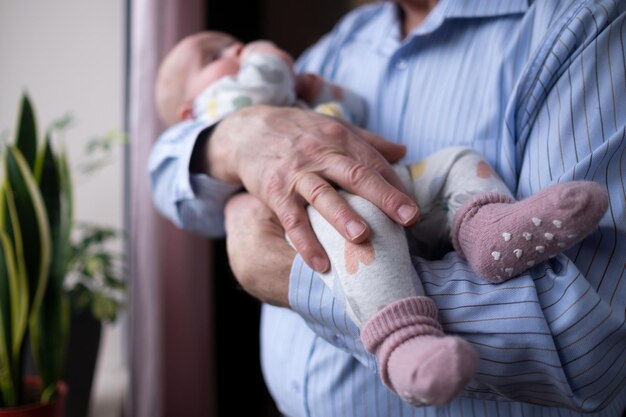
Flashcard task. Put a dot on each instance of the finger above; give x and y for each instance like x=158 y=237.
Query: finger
x=371 y=157
x=327 y=201
x=293 y=217
x=368 y=151
x=362 y=180
x=392 y=152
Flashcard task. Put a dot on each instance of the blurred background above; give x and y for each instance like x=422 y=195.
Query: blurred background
x=164 y=355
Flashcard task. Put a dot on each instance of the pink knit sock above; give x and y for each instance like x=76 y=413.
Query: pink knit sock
x=415 y=358
x=501 y=238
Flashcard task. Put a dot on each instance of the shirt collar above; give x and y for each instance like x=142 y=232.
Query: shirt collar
x=468 y=9
x=483 y=8
x=386 y=23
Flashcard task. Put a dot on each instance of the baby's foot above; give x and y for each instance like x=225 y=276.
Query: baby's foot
x=431 y=369
x=416 y=359
x=501 y=237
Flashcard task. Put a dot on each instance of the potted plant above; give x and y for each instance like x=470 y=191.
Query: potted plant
x=35 y=227
x=75 y=265
x=96 y=290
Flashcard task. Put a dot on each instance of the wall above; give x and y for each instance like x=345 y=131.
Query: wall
x=68 y=54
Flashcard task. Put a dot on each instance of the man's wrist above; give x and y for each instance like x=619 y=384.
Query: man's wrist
x=198 y=164
x=210 y=158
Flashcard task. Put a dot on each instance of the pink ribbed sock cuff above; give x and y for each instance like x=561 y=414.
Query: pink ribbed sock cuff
x=469 y=209
x=396 y=316
x=397 y=323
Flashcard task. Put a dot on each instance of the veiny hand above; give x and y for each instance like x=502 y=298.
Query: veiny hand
x=289 y=158
x=258 y=252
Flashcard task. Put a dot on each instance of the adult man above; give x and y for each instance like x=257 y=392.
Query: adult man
x=539 y=89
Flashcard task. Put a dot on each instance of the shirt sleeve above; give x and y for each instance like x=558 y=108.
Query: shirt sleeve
x=191 y=201
x=555 y=336
x=272 y=75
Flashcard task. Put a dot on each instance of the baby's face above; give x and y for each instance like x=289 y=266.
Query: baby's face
x=220 y=58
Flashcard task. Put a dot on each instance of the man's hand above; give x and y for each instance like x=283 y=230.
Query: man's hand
x=258 y=252
x=289 y=158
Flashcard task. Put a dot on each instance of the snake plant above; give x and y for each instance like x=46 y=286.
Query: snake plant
x=35 y=224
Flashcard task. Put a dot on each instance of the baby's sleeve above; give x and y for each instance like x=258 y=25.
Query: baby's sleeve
x=337 y=101
x=269 y=79
x=262 y=79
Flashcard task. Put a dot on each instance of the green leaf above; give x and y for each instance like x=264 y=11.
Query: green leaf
x=61 y=124
x=53 y=186
x=31 y=239
x=7 y=279
x=49 y=337
x=19 y=284
x=35 y=245
x=26 y=139
x=50 y=328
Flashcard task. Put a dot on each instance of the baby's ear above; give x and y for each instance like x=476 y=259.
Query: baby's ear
x=185 y=112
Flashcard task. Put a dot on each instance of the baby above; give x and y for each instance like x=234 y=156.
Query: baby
x=462 y=200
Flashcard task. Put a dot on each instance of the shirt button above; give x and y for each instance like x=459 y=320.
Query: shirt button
x=295 y=386
x=402 y=65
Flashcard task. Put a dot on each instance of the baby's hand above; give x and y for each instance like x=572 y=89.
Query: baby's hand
x=266 y=47
x=309 y=86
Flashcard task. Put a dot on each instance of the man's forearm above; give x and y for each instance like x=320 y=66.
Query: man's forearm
x=259 y=254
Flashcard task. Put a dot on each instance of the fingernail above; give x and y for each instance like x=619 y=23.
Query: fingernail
x=406 y=213
x=355 y=229
x=319 y=264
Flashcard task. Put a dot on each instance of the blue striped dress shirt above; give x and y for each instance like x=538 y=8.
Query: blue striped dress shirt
x=539 y=88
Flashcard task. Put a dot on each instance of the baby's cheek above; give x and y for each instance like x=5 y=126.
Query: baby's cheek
x=211 y=73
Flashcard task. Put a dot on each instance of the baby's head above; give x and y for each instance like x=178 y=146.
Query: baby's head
x=196 y=62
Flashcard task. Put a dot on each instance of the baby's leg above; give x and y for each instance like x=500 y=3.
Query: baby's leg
x=499 y=236
x=398 y=323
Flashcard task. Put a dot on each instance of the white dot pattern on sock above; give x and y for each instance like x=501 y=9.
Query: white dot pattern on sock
x=518 y=252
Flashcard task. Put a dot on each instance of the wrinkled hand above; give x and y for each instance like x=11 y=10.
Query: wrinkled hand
x=289 y=158
x=258 y=252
